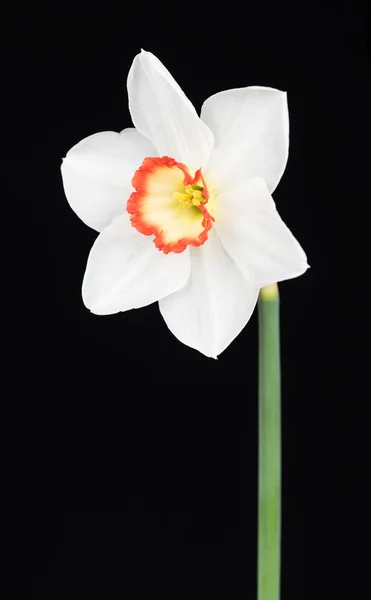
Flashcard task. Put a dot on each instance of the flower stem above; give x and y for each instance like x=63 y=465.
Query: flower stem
x=269 y=504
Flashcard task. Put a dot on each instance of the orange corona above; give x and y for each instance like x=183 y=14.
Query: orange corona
x=170 y=204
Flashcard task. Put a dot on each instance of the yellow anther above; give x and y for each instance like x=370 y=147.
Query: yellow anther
x=180 y=196
x=191 y=196
x=197 y=198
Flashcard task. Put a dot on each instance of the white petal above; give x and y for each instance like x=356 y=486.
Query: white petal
x=251 y=132
x=255 y=236
x=97 y=174
x=161 y=111
x=125 y=270
x=215 y=305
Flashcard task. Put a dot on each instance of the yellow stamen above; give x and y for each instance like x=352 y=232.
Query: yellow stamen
x=191 y=197
x=180 y=196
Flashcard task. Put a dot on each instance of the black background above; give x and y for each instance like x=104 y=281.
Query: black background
x=143 y=452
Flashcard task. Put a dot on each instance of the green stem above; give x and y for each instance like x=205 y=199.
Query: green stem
x=269 y=505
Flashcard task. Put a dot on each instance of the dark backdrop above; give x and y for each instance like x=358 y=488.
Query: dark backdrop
x=143 y=452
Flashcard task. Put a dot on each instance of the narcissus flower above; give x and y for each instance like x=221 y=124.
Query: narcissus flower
x=183 y=206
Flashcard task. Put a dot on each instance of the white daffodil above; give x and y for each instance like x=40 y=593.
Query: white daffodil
x=183 y=206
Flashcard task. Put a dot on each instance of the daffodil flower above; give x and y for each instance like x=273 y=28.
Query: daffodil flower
x=184 y=208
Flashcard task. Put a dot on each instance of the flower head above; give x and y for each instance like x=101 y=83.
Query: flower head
x=183 y=206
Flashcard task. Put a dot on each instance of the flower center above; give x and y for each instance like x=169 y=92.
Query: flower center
x=192 y=196
x=171 y=204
